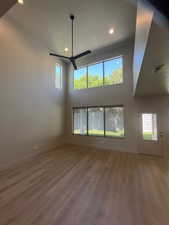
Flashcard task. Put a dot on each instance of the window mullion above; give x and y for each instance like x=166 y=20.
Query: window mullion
x=61 y=77
x=73 y=79
x=73 y=121
x=104 y=121
x=87 y=122
x=103 y=75
x=87 y=77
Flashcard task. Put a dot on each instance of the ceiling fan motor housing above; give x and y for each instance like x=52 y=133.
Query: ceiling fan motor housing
x=72 y=17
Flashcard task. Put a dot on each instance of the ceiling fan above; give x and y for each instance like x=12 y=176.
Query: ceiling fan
x=73 y=58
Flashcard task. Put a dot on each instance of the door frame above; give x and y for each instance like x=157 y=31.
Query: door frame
x=159 y=140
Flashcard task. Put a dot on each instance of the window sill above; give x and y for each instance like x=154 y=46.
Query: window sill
x=110 y=137
x=103 y=86
x=150 y=140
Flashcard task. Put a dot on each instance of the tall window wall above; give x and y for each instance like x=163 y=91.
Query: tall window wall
x=106 y=121
x=105 y=73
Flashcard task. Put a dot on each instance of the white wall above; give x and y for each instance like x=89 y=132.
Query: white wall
x=31 y=109
x=115 y=95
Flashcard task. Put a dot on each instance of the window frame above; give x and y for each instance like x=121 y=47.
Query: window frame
x=99 y=62
x=104 y=121
x=61 y=74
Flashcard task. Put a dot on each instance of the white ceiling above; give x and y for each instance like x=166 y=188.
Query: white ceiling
x=48 y=21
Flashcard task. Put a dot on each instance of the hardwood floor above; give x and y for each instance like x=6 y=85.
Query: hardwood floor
x=75 y=186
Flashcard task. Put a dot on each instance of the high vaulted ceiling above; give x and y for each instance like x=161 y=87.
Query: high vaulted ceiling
x=48 y=21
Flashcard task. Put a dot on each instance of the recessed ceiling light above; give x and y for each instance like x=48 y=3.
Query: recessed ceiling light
x=66 y=49
x=111 y=31
x=21 y=2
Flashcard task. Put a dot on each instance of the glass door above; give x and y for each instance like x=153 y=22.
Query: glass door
x=151 y=143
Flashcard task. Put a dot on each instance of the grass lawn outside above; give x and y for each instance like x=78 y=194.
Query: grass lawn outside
x=148 y=136
x=96 y=132
x=101 y=133
x=77 y=131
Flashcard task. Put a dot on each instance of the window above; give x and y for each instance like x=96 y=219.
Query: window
x=105 y=121
x=108 y=72
x=95 y=75
x=58 y=76
x=80 y=78
x=149 y=126
x=113 y=71
x=114 y=122
x=96 y=121
x=80 y=121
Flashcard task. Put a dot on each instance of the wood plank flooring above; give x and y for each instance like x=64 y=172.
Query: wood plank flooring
x=80 y=186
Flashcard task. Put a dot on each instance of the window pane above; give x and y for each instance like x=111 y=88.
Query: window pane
x=80 y=78
x=114 y=122
x=95 y=75
x=80 y=121
x=149 y=126
x=96 y=121
x=58 y=76
x=113 y=71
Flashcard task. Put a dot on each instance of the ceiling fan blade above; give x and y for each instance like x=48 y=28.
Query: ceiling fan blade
x=74 y=63
x=82 y=54
x=61 y=56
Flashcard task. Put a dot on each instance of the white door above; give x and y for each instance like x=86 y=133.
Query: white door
x=151 y=137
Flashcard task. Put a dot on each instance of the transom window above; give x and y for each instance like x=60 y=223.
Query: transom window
x=58 y=76
x=105 y=73
x=104 y=121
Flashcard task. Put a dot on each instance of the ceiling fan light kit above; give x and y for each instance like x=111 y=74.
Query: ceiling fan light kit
x=73 y=58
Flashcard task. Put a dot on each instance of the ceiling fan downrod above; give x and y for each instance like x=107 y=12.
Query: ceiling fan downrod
x=73 y=58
